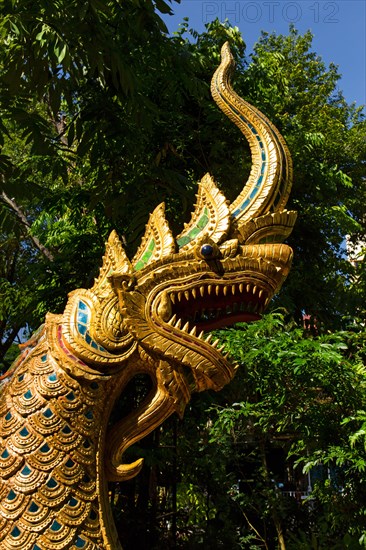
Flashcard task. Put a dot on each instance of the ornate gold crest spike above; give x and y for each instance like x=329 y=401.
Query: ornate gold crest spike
x=114 y=259
x=157 y=241
x=270 y=179
x=211 y=216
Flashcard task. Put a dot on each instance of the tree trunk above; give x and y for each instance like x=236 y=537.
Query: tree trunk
x=272 y=502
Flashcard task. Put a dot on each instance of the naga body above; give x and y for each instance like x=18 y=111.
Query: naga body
x=147 y=315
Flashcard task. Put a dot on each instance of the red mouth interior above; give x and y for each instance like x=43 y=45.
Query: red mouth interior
x=214 y=307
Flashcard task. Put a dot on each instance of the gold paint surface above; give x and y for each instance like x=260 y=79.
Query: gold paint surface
x=148 y=316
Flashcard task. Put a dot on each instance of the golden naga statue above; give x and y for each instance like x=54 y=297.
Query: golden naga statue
x=57 y=450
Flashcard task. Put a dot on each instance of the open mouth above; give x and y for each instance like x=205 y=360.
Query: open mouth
x=212 y=305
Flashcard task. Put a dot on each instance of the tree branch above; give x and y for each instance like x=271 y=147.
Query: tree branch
x=23 y=220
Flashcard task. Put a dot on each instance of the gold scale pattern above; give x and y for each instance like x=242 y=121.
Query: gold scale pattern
x=48 y=486
x=57 y=451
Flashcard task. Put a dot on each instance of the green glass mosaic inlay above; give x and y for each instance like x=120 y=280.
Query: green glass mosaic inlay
x=146 y=255
x=196 y=230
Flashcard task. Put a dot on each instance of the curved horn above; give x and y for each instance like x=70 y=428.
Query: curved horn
x=270 y=179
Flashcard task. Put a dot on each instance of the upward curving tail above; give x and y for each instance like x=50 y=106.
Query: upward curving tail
x=270 y=180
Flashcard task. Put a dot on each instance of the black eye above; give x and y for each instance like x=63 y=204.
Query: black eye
x=207 y=250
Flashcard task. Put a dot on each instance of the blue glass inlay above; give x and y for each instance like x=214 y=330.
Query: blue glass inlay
x=94 y=385
x=70 y=396
x=45 y=448
x=66 y=430
x=87 y=444
x=11 y=495
x=82 y=317
x=20 y=377
x=82 y=324
x=52 y=377
x=73 y=502
x=15 y=532
x=44 y=358
x=5 y=453
x=36 y=547
x=52 y=483
x=89 y=415
x=33 y=507
x=86 y=478
x=8 y=416
x=70 y=463
x=28 y=394
x=47 y=413
x=93 y=515
x=82 y=329
x=56 y=526
x=24 y=432
x=80 y=543
x=263 y=155
x=26 y=471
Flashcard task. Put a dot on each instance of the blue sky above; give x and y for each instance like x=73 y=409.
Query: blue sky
x=339 y=29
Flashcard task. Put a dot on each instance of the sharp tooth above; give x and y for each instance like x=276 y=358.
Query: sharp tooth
x=221 y=348
x=225 y=290
x=179 y=296
x=178 y=324
x=172 y=297
x=186 y=294
x=255 y=288
x=209 y=338
x=193 y=331
x=217 y=290
x=172 y=320
x=233 y=289
x=186 y=327
x=202 y=291
x=194 y=293
x=209 y=288
x=249 y=307
x=242 y=306
x=241 y=287
x=248 y=288
x=266 y=302
x=200 y=336
x=214 y=345
x=261 y=293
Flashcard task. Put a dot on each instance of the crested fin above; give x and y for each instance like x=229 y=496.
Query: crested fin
x=270 y=179
x=114 y=260
x=211 y=216
x=157 y=242
x=272 y=227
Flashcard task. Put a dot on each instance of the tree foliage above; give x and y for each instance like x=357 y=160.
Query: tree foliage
x=294 y=415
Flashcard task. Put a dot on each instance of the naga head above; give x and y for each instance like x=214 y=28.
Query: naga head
x=224 y=267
